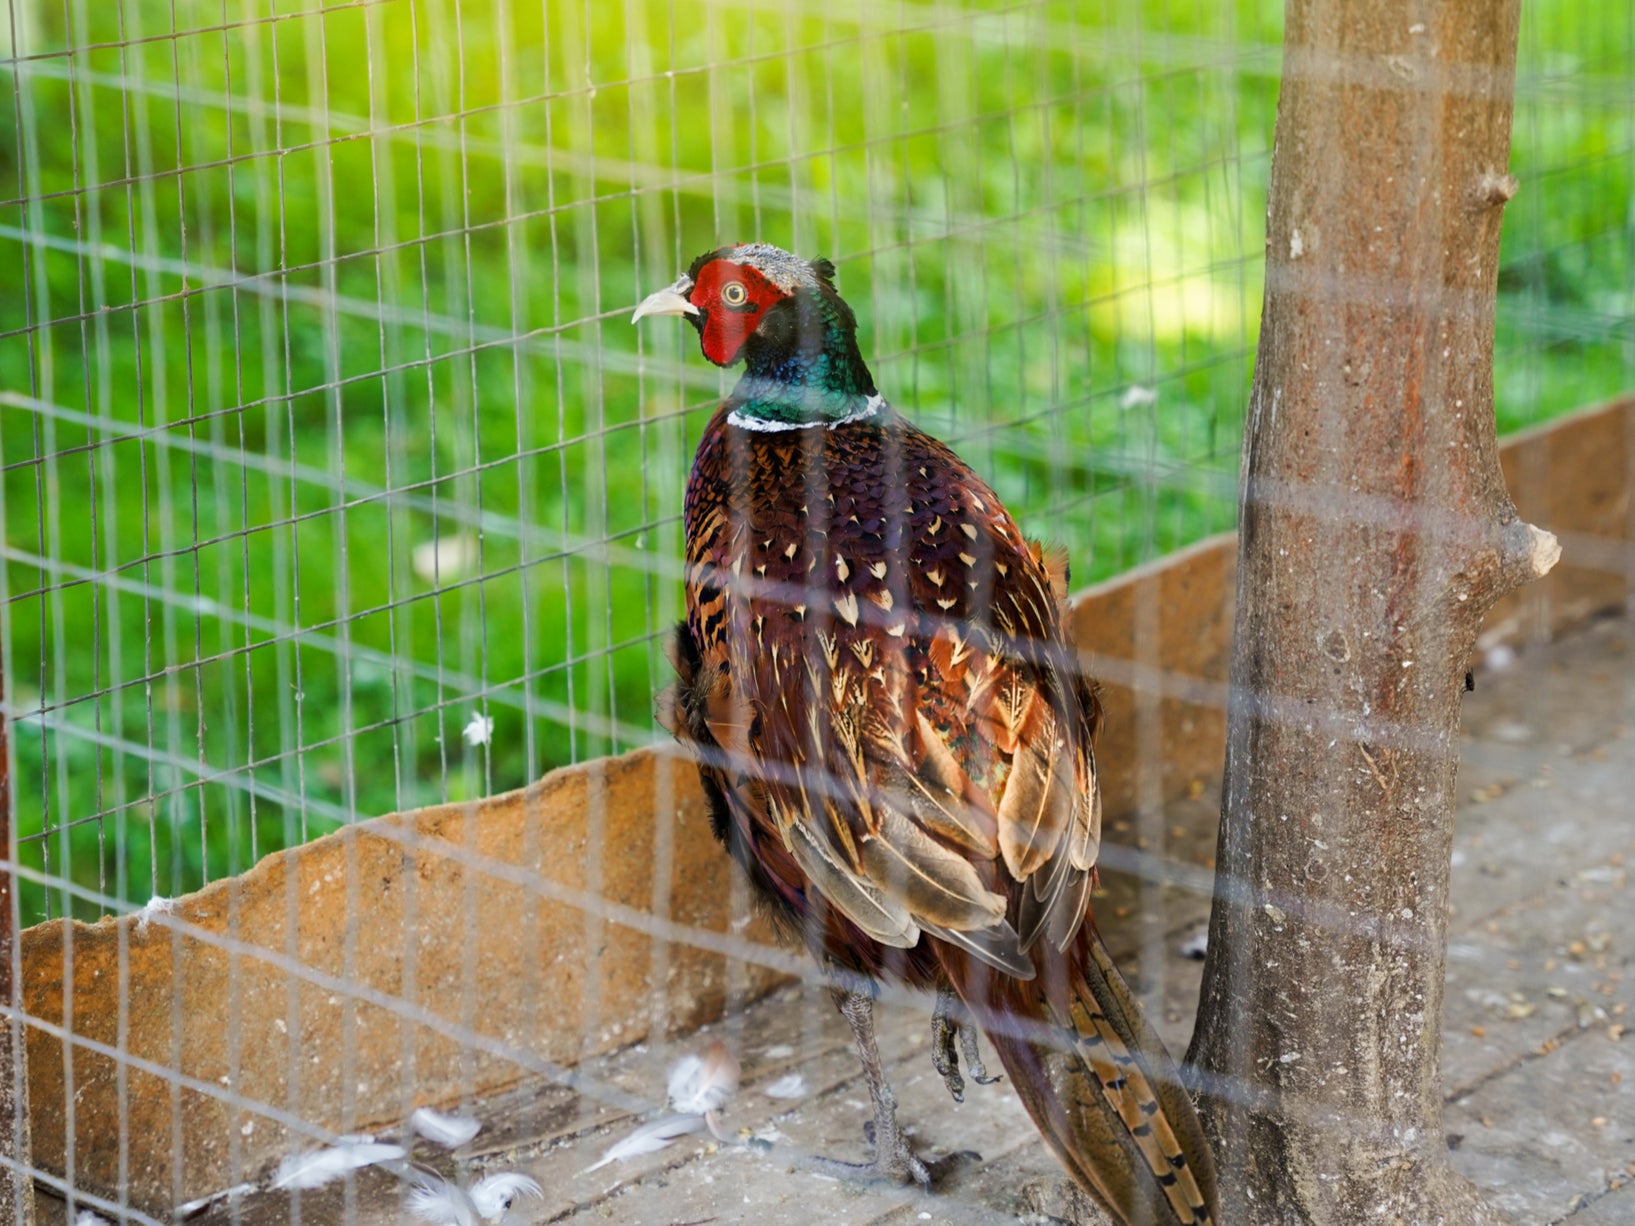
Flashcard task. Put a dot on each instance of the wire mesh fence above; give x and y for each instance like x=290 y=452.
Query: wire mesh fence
x=335 y=482
x=327 y=441
x=327 y=430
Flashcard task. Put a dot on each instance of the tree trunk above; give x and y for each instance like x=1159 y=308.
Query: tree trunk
x=1375 y=533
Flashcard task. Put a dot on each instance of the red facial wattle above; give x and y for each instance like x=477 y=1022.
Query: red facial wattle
x=733 y=298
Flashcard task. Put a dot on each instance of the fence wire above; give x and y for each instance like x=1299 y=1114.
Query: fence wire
x=335 y=482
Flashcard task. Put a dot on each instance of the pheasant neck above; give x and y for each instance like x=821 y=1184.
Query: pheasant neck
x=755 y=405
x=816 y=377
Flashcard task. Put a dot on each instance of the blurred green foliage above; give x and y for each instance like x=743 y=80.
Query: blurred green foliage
x=324 y=431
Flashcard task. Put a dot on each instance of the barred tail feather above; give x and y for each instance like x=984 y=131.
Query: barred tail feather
x=1097 y=1081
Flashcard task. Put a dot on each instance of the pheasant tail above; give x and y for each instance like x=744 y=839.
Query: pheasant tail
x=1097 y=1080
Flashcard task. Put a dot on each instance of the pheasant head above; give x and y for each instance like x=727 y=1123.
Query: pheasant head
x=782 y=317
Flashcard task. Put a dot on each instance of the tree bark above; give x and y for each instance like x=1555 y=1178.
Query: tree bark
x=1375 y=533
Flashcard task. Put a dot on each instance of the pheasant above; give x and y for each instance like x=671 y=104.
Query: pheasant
x=875 y=681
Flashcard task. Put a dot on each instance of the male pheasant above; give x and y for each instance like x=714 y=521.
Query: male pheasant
x=878 y=689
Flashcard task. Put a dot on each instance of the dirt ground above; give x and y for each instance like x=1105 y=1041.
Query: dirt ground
x=1538 y=1067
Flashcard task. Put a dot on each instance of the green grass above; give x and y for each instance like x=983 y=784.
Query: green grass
x=255 y=357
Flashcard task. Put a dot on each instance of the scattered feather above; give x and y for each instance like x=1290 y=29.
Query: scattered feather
x=780 y=1051
x=156 y=907
x=699 y=1087
x=449 y=1131
x=493 y=1194
x=204 y=1202
x=434 y=1199
x=651 y=1137
x=479 y=730
x=712 y=1121
x=317 y=1167
x=791 y=1086
x=701 y=1084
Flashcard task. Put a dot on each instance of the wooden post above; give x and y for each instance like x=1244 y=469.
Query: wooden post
x=1375 y=533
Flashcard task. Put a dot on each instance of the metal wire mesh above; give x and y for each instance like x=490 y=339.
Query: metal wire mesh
x=335 y=482
x=325 y=428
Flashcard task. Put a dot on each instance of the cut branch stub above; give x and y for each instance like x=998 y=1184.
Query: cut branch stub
x=1375 y=533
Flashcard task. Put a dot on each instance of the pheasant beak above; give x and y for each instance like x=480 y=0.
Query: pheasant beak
x=671 y=300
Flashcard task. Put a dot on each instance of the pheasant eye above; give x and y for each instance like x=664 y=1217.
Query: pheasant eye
x=734 y=294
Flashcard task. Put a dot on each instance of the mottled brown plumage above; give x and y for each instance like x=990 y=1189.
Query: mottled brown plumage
x=875 y=679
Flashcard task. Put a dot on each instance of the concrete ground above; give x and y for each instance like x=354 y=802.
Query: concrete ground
x=1538 y=1068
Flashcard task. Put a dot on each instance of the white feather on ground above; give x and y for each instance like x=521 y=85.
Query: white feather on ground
x=433 y=1199
x=441 y=1202
x=793 y=1085
x=493 y=1194
x=650 y=1137
x=204 y=1202
x=449 y=1131
x=315 y=1168
x=701 y=1084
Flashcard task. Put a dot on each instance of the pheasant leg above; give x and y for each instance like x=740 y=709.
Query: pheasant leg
x=944 y=1031
x=950 y=1022
x=893 y=1159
